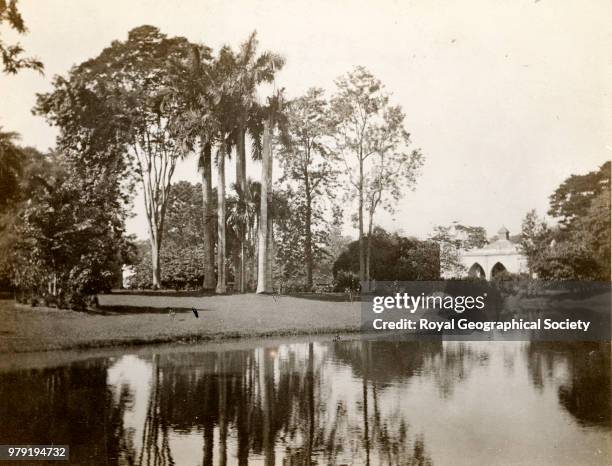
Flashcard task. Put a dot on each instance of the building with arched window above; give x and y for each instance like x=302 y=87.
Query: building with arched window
x=500 y=255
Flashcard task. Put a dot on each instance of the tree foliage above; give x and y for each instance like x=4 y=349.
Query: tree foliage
x=183 y=251
x=371 y=141
x=394 y=257
x=310 y=172
x=290 y=219
x=579 y=247
x=11 y=168
x=12 y=54
x=535 y=237
x=66 y=239
x=454 y=239
x=120 y=103
x=576 y=194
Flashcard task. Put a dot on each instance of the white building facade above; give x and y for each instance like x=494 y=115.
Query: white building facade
x=497 y=257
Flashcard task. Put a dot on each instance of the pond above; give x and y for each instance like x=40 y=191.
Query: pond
x=323 y=402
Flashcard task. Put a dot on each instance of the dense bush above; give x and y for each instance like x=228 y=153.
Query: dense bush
x=394 y=257
x=346 y=280
x=65 y=236
x=181 y=267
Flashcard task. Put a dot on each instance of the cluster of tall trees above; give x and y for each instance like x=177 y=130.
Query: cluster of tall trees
x=578 y=247
x=127 y=117
x=153 y=100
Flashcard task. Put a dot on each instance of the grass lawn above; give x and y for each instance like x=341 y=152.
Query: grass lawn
x=24 y=328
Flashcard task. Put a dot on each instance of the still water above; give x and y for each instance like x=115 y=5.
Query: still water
x=323 y=402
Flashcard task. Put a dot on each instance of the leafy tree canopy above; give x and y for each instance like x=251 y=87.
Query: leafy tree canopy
x=12 y=54
x=579 y=248
x=394 y=257
x=66 y=235
x=452 y=240
x=575 y=195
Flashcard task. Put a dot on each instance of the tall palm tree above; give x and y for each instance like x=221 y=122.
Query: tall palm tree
x=211 y=108
x=274 y=117
x=254 y=204
x=248 y=71
x=242 y=215
x=205 y=169
x=196 y=87
x=221 y=252
x=224 y=110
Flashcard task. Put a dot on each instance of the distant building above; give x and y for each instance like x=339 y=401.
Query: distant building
x=501 y=255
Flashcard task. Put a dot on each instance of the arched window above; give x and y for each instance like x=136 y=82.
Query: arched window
x=497 y=270
x=476 y=271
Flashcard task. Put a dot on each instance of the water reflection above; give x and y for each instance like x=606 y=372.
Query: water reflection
x=580 y=371
x=348 y=402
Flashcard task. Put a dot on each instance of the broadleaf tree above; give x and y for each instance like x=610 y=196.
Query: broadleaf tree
x=130 y=81
x=394 y=170
x=363 y=125
x=309 y=166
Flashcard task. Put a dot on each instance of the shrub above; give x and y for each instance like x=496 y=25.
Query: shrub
x=346 y=280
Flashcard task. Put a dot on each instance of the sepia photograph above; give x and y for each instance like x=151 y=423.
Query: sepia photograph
x=305 y=232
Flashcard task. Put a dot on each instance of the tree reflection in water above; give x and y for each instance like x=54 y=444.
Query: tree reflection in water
x=272 y=403
x=70 y=405
x=581 y=372
x=294 y=404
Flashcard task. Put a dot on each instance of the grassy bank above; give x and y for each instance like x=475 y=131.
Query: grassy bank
x=137 y=320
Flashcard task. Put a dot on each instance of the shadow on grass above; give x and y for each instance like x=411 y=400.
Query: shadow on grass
x=117 y=310
x=333 y=297
x=168 y=293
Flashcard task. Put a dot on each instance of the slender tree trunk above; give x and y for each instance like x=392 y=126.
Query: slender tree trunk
x=155 y=259
x=308 y=242
x=270 y=251
x=241 y=159
x=243 y=275
x=263 y=285
x=369 y=248
x=250 y=267
x=236 y=263
x=241 y=181
x=207 y=212
x=270 y=260
x=361 y=238
x=221 y=277
x=256 y=250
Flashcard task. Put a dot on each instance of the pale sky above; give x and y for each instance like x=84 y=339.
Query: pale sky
x=506 y=98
